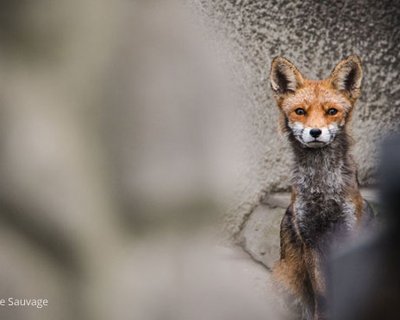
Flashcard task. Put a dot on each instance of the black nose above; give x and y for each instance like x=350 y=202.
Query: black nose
x=315 y=133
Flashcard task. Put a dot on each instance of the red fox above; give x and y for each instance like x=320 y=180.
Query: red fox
x=326 y=202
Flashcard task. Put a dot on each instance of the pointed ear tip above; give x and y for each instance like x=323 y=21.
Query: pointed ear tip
x=354 y=57
x=281 y=59
x=276 y=59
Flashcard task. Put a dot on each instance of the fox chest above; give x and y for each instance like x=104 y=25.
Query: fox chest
x=319 y=219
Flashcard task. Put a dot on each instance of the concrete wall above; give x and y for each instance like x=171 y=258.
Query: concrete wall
x=315 y=35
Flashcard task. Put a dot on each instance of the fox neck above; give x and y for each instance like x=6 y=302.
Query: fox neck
x=325 y=172
x=324 y=180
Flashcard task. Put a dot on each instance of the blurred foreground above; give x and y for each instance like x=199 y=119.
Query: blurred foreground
x=115 y=163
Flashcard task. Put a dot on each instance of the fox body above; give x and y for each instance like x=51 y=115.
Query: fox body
x=326 y=203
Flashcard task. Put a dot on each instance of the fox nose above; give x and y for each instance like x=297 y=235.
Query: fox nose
x=315 y=133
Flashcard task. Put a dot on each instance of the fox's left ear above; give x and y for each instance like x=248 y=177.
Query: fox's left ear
x=284 y=77
x=347 y=76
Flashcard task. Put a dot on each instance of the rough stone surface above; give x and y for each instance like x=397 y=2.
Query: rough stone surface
x=260 y=236
x=315 y=36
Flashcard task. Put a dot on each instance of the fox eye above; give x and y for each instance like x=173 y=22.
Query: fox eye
x=300 y=111
x=332 y=111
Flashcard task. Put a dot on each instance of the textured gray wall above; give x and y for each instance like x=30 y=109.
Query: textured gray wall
x=315 y=35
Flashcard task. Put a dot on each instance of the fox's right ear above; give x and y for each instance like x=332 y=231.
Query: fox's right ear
x=347 y=76
x=284 y=77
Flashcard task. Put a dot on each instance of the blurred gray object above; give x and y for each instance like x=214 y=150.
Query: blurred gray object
x=365 y=278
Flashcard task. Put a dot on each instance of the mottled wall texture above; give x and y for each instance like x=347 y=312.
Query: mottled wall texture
x=315 y=35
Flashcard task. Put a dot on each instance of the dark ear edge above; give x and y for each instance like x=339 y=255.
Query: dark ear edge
x=284 y=76
x=346 y=77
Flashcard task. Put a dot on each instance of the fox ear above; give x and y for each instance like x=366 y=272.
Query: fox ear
x=284 y=76
x=347 y=76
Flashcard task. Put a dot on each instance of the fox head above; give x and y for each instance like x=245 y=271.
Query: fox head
x=316 y=111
